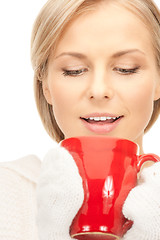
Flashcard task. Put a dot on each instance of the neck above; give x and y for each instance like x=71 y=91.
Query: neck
x=139 y=141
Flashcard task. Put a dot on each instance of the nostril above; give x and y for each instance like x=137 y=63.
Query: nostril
x=95 y=97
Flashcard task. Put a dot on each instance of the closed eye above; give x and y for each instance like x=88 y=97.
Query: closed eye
x=127 y=71
x=74 y=73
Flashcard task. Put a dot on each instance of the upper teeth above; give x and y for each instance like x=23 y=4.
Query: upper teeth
x=101 y=118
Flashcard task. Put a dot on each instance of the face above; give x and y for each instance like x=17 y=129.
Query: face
x=103 y=78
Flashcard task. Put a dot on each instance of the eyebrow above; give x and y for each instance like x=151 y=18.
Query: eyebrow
x=73 y=54
x=121 y=53
x=115 y=55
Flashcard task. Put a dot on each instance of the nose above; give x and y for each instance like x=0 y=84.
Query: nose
x=100 y=87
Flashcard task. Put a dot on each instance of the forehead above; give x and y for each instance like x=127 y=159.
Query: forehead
x=110 y=26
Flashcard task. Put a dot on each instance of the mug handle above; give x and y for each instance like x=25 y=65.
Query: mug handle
x=146 y=157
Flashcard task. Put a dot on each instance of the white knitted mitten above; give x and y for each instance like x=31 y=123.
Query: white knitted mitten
x=143 y=206
x=59 y=195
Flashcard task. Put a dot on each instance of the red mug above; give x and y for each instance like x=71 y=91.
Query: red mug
x=108 y=167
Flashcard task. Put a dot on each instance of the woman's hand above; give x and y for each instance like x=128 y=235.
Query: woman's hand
x=59 y=195
x=142 y=206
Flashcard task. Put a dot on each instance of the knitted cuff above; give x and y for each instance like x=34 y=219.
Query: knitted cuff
x=142 y=206
x=59 y=195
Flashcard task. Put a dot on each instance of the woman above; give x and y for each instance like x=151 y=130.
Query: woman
x=96 y=69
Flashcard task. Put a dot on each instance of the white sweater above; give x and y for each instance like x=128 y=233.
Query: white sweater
x=18 y=180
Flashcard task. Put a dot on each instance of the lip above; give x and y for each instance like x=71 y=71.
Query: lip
x=102 y=128
x=101 y=115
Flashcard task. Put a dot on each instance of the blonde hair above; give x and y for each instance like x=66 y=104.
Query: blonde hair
x=49 y=26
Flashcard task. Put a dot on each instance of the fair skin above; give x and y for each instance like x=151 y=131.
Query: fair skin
x=104 y=66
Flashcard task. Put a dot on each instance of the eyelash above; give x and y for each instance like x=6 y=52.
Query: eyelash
x=78 y=72
x=74 y=73
x=129 y=71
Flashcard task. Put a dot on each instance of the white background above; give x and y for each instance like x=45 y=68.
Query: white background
x=21 y=130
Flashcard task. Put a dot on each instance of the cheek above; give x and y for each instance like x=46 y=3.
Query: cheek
x=63 y=103
x=140 y=101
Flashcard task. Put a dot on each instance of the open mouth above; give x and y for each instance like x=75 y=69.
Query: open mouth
x=102 y=124
x=101 y=120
